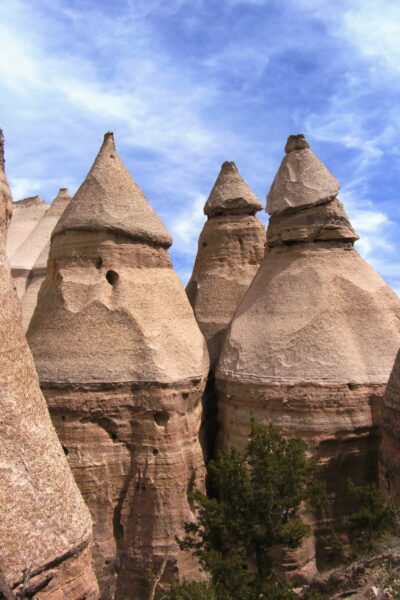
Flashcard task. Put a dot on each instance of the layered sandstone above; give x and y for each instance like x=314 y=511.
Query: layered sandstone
x=40 y=235
x=312 y=344
x=45 y=527
x=122 y=364
x=230 y=250
x=24 y=259
x=389 y=455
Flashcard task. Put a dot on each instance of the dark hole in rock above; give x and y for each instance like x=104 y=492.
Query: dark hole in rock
x=112 y=277
x=66 y=451
x=204 y=244
x=63 y=418
x=113 y=436
x=143 y=487
x=161 y=418
x=155 y=451
x=185 y=395
x=99 y=263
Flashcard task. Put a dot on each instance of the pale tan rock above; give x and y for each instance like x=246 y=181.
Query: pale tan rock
x=122 y=364
x=311 y=347
x=24 y=259
x=231 y=194
x=301 y=181
x=45 y=527
x=230 y=250
x=26 y=215
x=389 y=454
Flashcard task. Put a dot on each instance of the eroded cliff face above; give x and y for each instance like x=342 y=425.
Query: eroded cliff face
x=389 y=455
x=45 y=527
x=230 y=251
x=312 y=344
x=26 y=215
x=122 y=364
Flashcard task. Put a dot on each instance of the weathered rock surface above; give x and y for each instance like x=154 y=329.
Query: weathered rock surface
x=24 y=259
x=312 y=344
x=389 y=455
x=26 y=215
x=230 y=250
x=41 y=235
x=45 y=527
x=122 y=364
x=301 y=181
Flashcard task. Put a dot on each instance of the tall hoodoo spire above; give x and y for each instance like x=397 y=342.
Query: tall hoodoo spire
x=122 y=364
x=45 y=527
x=230 y=250
x=312 y=343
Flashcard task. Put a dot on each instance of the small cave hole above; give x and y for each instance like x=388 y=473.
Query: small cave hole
x=185 y=395
x=113 y=436
x=66 y=451
x=161 y=418
x=99 y=263
x=63 y=417
x=155 y=451
x=204 y=244
x=112 y=277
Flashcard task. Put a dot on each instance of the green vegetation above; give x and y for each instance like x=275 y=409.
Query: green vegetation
x=258 y=497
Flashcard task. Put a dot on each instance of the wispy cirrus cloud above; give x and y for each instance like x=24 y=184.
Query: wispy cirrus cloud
x=186 y=85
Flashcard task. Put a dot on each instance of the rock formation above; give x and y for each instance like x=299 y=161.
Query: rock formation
x=24 y=259
x=230 y=250
x=313 y=342
x=389 y=455
x=26 y=215
x=45 y=527
x=40 y=235
x=122 y=364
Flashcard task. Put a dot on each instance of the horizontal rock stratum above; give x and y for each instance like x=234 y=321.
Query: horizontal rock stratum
x=123 y=364
x=313 y=341
x=45 y=527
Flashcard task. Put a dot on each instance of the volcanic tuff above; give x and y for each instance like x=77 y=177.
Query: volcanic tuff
x=40 y=238
x=24 y=259
x=389 y=455
x=230 y=250
x=45 y=527
x=122 y=364
x=312 y=344
x=26 y=215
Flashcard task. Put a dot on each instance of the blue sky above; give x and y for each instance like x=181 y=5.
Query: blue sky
x=185 y=85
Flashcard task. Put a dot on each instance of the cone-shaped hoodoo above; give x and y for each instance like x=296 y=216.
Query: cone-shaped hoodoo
x=24 y=259
x=45 y=527
x=41 y=235
x=122 y=364
x=26 y=215
x=230 y=250
x=312 y=344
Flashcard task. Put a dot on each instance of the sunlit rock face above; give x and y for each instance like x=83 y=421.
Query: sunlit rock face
x=25 y=216
x=122 y=364
x=45 y=527
x=230 y=250
x=37 y=247
x=313 y=342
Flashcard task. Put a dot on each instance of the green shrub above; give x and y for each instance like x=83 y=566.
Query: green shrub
x=257 y=503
